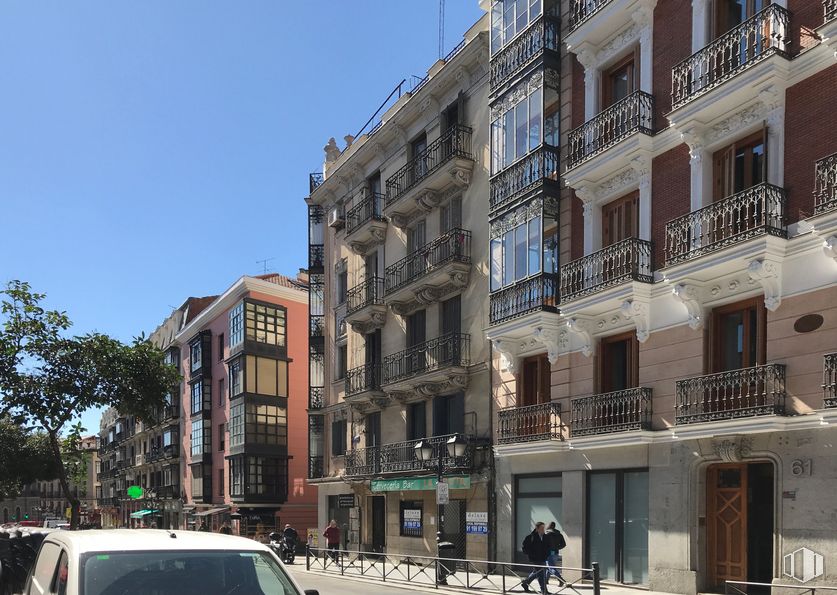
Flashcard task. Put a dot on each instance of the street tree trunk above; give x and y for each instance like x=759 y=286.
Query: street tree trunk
x=75 y=504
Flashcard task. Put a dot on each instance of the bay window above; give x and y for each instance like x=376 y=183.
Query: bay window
x=510 y=17
x=201 y=396
x=523 y=247
x=237 y=325
x=237 y=424
x=201 y=437
x=517 y=131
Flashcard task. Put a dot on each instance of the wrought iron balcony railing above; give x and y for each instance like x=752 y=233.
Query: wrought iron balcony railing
x=634 y=113
x=764 y=34
x=825 y=182
x=367 y=293
x=830 y=9
x=400 y=457
x=316 y=256
x=530 y=423
x=581 y=10
x=368 y=209
x=618 y=411
x=316 y=469
x=628 y=260
x=543 y=34
x=747 y=392
x=363 y=379
x=316 y=326
x=454 y=246
x=829 y=380
x=757 y=211
x=314 y=181
x=455 y=142
x=535 y=293
x=451 y=349
x=316 y=395
x=523 y=175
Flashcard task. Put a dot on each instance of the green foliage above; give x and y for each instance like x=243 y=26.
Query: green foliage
x=75 y=459
x=26 y=457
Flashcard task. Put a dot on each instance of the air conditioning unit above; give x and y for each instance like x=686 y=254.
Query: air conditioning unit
x=336 y=218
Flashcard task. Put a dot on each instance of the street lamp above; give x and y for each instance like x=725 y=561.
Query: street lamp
x=456 y=447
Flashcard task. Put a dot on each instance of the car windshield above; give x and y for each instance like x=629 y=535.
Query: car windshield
x=183 y=573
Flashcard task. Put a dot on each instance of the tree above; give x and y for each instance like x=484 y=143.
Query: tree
x=26 y=455
x=48 y=378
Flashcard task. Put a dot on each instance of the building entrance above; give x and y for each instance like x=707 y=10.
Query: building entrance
x=739 y=521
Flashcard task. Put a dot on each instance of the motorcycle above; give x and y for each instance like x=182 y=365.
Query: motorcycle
x=284 y=546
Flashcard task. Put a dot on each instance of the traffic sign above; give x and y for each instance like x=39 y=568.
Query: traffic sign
x=442 y=493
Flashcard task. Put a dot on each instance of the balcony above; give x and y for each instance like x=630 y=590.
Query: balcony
x=825 y=182
x=365 y=308
x=618 y=411
x=432 y=272
x=747 y=392
x=530 y=173
x=829 y=380
x=316 y=469
x=439 y=362
x=830 y=10
x=543 y=34
x=363 y=383
x=446 y=161
x=530 y=423
x=400 y=457
x=365 y=223
x=757 y=211
x=538 y=293
x=739 y=49
x=628 y=116
x=628 y=260
x=314 y=181
x=316 y=398
x=316 y=258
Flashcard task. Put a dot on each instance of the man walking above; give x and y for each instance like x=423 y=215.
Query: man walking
x=536 y=547
x=556 y=544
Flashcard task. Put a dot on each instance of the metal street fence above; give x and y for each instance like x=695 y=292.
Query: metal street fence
x=742 y=588
x=479 y=575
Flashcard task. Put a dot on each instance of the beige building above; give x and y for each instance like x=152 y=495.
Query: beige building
x=398 y=306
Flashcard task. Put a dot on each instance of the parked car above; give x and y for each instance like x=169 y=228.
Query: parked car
x=156 y=562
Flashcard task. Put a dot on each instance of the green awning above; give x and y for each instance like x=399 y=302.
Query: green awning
x=141 y=513
x=408 y=484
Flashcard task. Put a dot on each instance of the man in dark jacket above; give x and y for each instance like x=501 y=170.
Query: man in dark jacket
x=536 y=547
x=556 y=544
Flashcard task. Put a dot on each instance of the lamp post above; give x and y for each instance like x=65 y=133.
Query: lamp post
x=456 y=447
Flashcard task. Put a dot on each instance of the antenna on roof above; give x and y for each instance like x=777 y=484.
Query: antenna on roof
x=264 y=262
x=441 y=28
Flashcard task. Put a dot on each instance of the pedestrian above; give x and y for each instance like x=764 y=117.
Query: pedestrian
x=536 y=548
x=556 y=544
x=204 y=527
x=225 y=529
x=332 y=535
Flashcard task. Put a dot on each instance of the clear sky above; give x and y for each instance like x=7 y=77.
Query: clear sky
x=154 y=150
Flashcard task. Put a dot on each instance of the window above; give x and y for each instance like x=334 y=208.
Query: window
x=536 y=498
x=450 y=215
x=739 y=336
x=222 y=393
x=620 y=219
x=169 y=437
x=619 y=81
x=731 y=13
x=517 y=131
x=201 y=396
x=201 y=442
x=449 y=414
x=221 y=485
x=196 y=355
x=236 y=379
x=237 y=424
x=535 y=381
x=221 y=347
x=266 y=424
x=267 y=476
x=342 y=286
x=740 y=166
x=197 y=481
x=410 y=513
x=265 y=324
x=266 y=376
x=342 y=354
x=338 y=438
x=516 y=254
x=237 y=477
x=510 y=17
x=618 y=363
x=237 y=325
x=221 y=437
x=416 y=421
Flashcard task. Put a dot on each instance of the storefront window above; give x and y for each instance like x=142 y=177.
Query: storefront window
x=411 y=518
x=537 y=499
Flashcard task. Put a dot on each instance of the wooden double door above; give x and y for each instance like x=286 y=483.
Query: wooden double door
x=739 y=523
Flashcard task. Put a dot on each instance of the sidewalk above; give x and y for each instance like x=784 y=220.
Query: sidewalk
x=467 y=580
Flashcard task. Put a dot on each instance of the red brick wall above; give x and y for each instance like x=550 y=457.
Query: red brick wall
x=670 y=188
x=672 y=43
x=578 y=94
x=810 y=121
x=577 y=248
x=806 y=15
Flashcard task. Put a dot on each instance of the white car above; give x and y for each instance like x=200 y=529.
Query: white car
x=156 y=562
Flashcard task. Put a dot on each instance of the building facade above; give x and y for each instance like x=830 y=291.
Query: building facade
x=667 y=395
x=397 y=312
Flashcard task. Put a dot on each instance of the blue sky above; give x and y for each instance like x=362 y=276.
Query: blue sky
x=155 y=150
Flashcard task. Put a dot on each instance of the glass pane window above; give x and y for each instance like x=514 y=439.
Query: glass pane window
x=201 y=438
x=267 y=476
x=266 y=424
x=508 y=257
x=200 y=396
x=195 y=351
x=236 y=325
x=237 y=424
x=509 y=18
x=517 y=131
x=520 y=240
x=496 y=264
x=236 y=379
x=535 y=246
x=265 y=324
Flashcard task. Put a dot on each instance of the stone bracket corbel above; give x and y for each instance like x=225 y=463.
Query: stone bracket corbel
x=399 y=221
x=581 y=329
x=550 y=339
x=829 y=247
x=769 y=275
x=689 y=296
x=638 y=313
x=461 y=175
x=508 y=360
x=427 y=200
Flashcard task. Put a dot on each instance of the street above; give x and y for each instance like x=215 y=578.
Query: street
x=327 y=585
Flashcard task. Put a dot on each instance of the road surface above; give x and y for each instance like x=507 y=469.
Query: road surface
x=336 y=585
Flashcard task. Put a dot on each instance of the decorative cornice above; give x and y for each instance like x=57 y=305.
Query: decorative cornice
x=732 y=449
x=768 y=275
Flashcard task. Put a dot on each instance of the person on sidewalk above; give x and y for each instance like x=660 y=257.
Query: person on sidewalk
x=556 y=544
x=536 y=547
x=332 y=535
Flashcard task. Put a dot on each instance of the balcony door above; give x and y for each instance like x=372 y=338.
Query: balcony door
x=418 y=151
x=416 y=357
x=535 y=382
x=620 y=219
x=449 y=415
x=739 y=339
x=731 y=13
x=740 y=166
x=374 y=186
x=618 y=363
x=372 y=359
x=372 y=429
x=371 y=266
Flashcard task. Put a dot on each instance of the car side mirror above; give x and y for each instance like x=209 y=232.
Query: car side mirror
x=311 y=592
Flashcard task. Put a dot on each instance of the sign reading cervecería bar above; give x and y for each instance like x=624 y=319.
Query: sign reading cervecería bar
x=418 y=484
